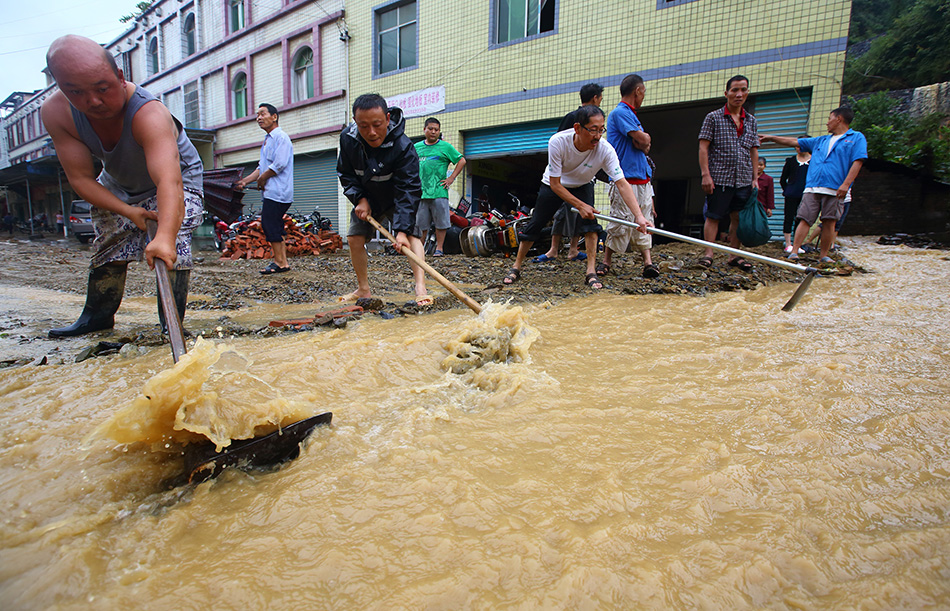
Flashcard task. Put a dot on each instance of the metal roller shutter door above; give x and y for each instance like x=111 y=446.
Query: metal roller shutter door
x=524 y=139
x=782 y=114
x=315 y=185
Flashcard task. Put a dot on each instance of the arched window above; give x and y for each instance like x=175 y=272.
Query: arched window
x=153 y=56
x=303 y=74
x=239 y=95
x=236 y=14
x=188 y=40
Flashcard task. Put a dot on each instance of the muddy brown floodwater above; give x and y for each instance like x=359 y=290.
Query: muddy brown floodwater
x=658 y=447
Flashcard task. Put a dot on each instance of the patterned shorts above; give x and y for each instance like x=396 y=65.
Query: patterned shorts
x=620 y=236
x=118 y=239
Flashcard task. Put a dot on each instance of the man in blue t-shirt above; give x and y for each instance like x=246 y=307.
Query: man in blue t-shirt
x=836 y=159
x=632 y=143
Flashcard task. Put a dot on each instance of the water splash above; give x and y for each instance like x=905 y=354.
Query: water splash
x=500 y=334
x=208 y=394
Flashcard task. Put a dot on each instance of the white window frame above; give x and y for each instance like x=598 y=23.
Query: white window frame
x=378 y=33
x=302 y=87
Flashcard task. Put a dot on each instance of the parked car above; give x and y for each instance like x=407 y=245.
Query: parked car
x=80 y=220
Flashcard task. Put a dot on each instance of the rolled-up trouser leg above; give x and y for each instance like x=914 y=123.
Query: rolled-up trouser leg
x=103 y=296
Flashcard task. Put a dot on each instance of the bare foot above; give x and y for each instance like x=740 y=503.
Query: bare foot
x=357 y=294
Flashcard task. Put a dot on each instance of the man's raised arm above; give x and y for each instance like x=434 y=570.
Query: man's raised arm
x=155 y=131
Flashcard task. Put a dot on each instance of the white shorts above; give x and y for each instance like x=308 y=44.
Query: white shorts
x=620 y=236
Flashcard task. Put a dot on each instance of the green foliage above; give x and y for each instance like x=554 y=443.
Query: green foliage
x=915 y=51
x=140 y=8
x=922 y=143
x=871 y=18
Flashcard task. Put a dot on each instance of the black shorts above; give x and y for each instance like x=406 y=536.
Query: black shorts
x=547 y=206
x=724 y=200
x=272 y=219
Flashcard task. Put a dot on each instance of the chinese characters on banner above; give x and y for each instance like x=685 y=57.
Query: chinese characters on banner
x=419 y=103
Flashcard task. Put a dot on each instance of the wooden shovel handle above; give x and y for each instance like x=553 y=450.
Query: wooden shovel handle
x=474 y=305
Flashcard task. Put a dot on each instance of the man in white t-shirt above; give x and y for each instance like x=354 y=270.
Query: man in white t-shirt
x=574 y=158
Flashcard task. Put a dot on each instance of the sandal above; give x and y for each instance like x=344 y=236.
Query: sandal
x=741 y=264
x=273 y=268
x=581 y=256
x=513 y=275
x=591 y=281
x=424 y=300
x=704 y=262
x=438 y=253
x=544 y=258
x=651 y=271
x=602 y=269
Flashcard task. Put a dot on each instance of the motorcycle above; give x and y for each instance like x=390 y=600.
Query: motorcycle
x=221 y=233
x=315 y=223
x=493 y=232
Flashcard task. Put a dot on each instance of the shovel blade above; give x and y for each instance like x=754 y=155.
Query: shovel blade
x=202 y=462
x=800 y=291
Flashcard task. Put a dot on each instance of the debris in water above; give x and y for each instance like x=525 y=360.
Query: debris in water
x=499 y=334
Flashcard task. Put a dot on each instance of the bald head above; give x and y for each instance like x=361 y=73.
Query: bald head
x=72 y=54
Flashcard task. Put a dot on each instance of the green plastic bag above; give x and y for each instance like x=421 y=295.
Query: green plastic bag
x=753 y=223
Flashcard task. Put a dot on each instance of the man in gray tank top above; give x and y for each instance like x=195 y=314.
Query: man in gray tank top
x=151 y=171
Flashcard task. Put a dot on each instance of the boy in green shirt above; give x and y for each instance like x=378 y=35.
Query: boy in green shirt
x=435 y=155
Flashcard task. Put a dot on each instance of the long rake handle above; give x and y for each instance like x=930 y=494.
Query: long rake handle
x=734 y=251
x=796 y=297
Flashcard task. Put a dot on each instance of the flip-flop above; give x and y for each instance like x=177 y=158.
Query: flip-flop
x=581 y=256
x=348 y=297
x=544 y=258
x=273 y=268
x=592 y=282
x=513 y=275
x=438 y=253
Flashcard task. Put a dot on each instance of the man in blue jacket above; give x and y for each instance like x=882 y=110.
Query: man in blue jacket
x=836 y=159
x=379 y=170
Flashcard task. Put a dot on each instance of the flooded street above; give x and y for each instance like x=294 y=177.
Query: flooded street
x=654 y=451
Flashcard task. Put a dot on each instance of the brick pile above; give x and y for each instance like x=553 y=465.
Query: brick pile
x=251 y=243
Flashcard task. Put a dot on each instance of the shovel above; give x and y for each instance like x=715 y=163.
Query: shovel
x=202 y=462
x=176 y=336
x=796 y=297
x=474 y=305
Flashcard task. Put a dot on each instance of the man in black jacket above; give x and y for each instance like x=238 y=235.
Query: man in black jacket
x=379 y=170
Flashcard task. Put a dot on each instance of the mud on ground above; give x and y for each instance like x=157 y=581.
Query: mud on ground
x=227 y=286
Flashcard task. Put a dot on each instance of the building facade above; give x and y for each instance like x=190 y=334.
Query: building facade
x=500 y=74
x=213 y=62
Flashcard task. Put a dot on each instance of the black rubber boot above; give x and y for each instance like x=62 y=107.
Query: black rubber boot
x=179 y=281
x=103 y=296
